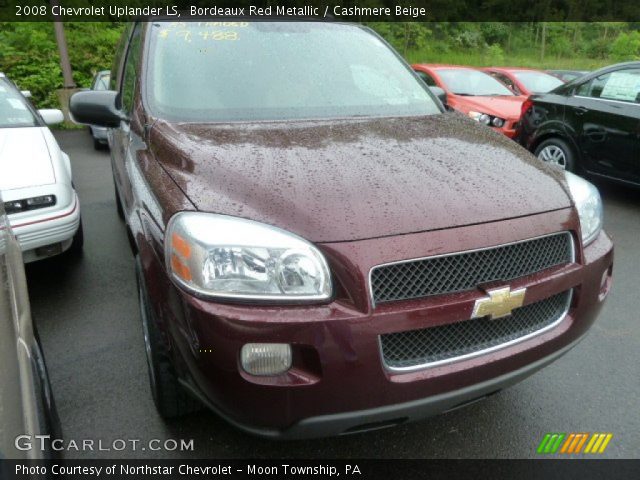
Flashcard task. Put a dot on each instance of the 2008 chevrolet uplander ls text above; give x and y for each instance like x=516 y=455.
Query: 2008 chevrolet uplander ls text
x=320 y=248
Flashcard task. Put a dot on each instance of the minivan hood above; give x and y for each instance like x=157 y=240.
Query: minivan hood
x=344 y=180
x=508 y=107
x=24 y=158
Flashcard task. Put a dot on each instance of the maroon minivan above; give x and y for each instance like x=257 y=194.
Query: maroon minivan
x=320 y=248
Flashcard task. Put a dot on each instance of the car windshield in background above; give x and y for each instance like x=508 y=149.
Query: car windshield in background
x=102 y=82
x=14 y=111
x=244 y=71
x=465 y=81
x=538 y=82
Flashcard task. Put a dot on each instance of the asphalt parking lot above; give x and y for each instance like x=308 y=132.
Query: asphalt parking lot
x=87 y=313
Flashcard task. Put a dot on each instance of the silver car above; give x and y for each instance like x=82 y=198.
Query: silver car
x=99 y=134
x=27 y=407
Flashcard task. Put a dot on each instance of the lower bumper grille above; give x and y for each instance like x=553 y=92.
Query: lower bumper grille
x=415 y=349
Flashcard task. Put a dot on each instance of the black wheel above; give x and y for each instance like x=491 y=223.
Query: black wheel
x=556 y=152
x=96 y=144
x=119 y=208
x=78 y=241
x=170 y=398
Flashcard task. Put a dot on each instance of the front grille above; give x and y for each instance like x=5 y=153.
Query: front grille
x=466 y=270
x=444 y=343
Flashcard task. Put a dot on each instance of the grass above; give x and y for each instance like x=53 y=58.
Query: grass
x=480 y=59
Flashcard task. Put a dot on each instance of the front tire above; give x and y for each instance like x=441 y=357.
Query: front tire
x=170 y=398
x=556 y=152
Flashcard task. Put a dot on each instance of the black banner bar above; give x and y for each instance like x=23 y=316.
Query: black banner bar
x=294 y=469
x=342 y=10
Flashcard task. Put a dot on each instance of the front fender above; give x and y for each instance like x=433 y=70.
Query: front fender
x=551 y=129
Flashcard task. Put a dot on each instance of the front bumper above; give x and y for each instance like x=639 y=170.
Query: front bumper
x=338 y=382
x=54 y=226
x=386 y=416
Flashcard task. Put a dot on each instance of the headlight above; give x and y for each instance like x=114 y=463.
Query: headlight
x=227 y=257
x=486 y=119
x=589 y=204
x=480 y=117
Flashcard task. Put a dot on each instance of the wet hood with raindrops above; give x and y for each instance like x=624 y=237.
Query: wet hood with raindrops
x=344 y=180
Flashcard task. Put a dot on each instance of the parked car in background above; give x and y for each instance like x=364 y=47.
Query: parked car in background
x=590 y=125
x=35 y=178
x=100 y=83
x=524 y=81
x=475 y=94
x=27 y=407
x=327 y=251
x=568 y=75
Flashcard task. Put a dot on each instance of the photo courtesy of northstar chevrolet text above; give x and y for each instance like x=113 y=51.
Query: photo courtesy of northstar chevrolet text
x=372 y=239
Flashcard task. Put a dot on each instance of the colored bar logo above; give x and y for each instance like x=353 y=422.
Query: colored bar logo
x=573 y=443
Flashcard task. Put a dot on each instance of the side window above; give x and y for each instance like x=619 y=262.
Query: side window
x=506 y=80
x=129 y=78
x=623 y=86
x=593 y=88
x=426 y=78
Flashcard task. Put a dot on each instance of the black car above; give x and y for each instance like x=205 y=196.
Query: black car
x=27 y=408
x=568 y=75
x=591 y=124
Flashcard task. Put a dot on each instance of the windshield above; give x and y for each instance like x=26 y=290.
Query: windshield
x=465 y=81
x=538 y=82
x=101 y=81
x=14 y=110
x=233 y=71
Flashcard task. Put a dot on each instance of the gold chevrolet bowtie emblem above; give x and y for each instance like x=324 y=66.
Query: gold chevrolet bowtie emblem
x=499 y=303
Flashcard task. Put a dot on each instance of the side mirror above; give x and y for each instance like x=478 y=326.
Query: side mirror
x=96 y=108
x=440 y=93
x=51 y=116
x=26 y=93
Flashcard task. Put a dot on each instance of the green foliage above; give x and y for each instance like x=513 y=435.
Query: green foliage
x=569 y=45
x=404 y=36
x=29 y=55
x=494 y=54
x=626 y=47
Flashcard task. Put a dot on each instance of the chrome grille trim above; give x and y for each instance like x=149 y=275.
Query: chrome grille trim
x=477 y=353
x=571 y=259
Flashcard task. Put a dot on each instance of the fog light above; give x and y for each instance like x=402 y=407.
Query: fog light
x=266 y=358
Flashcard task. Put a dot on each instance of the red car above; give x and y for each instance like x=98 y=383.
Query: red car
x=524 y=81
x=327 y=251
x=475 y=94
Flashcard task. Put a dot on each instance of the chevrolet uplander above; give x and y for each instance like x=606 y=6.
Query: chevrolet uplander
x=320 y=248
